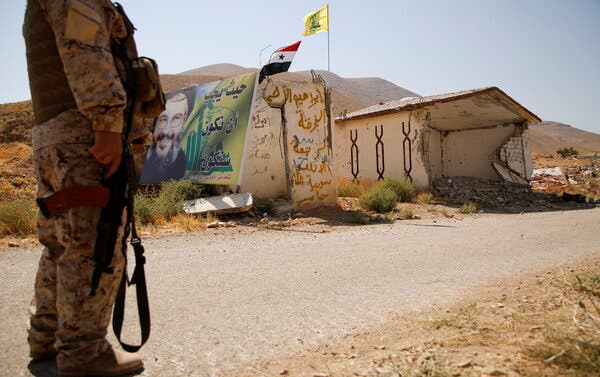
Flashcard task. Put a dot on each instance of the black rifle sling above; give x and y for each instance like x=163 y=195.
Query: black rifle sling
x=139 y=277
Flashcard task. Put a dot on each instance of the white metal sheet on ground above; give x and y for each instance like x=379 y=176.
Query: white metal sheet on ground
x=241 y=202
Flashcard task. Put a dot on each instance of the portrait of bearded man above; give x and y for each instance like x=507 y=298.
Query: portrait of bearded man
x=166 y=159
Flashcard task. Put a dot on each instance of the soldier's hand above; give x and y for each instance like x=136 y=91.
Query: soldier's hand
x=107 y=149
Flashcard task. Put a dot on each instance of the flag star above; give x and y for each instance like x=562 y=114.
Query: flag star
x=281 y=57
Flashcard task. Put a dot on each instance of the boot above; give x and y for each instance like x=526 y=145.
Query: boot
x=42 y=355
x=110 y=363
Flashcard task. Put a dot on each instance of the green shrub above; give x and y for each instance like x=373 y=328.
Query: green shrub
x=18 y=218
x=172 y=195
x=468 y=208
x=404 y=190
x=150 y=206
x=567 y=152
x=350 y=189
x=144 y=209
x=379 y=199
x=180 y=191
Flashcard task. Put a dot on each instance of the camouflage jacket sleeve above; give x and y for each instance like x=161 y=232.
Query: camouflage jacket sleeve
x=83 y=29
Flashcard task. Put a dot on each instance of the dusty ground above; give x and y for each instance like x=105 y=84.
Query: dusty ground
x=505 y=328
x=226 y=299
x=489 y=332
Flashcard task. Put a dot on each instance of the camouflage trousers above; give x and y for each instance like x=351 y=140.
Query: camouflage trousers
x=66 y=318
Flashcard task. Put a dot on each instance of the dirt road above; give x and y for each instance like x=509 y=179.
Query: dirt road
x=224 y=299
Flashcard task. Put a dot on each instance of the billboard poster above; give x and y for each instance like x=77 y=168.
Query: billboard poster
x=202 y=133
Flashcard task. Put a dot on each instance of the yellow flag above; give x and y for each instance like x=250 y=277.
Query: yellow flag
x=317 y=21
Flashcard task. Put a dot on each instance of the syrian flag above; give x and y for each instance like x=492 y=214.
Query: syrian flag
x=280 y=61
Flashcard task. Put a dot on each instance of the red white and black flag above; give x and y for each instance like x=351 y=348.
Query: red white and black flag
x=280 y=61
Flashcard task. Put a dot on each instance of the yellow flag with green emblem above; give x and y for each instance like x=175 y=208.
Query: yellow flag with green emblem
x=317 y=21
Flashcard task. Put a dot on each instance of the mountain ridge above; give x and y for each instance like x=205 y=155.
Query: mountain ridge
x=348 y=94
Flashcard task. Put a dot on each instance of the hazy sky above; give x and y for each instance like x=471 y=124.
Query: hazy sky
x=543 y=53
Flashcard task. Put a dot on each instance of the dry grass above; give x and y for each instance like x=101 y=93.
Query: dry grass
x=424 y=198
x=573 y=344
x=468 y=208
x=183 y=221
x=17 y=218
x=406 y=214
x=350 y=189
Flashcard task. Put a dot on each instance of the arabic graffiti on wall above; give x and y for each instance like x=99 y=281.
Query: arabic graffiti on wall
x=308 y=160
x=264 y=171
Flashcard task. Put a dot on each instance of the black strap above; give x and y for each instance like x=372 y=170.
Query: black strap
x=139 y=276
x=139 y=280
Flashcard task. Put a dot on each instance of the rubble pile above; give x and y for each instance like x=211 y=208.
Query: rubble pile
x=549 y=180
x=500 y=196
x=576 y=179
x=585 y=177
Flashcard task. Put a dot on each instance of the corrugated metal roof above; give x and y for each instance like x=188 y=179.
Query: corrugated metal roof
x=411 y=103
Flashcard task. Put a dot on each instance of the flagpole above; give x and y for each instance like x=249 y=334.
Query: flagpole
x=328 y=27
x=328 y=70
x=260 y=55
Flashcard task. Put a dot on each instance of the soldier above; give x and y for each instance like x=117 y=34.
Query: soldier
x=78 y=102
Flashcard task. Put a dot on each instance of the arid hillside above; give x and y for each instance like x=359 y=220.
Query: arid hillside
x=16 y=122
x=548 y=136
x=348 y=94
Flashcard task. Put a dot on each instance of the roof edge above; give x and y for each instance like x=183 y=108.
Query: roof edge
x=530 y=116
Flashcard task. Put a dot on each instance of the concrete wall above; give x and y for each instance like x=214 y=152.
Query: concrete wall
x=431 y=149
x=264 y=167
x=516 y=155
x=288 y=131
x=435 y=153
x=472 y=152
x=396 y=151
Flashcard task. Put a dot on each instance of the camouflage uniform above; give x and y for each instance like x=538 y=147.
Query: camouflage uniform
x=67 y=318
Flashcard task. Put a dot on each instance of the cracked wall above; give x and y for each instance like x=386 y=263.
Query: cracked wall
x=288 y=152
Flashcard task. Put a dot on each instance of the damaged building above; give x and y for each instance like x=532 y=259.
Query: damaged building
x=481 y=133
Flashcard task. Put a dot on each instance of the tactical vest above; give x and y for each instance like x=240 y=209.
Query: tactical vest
x=50 y=90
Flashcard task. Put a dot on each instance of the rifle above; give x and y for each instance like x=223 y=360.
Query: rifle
x=122 y=186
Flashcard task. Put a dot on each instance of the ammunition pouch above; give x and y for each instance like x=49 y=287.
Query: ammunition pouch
x=145 y=80
x=139 y=74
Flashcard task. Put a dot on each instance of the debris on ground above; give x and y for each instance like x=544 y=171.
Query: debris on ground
x=548 y=179
x=576 y=175
x=501 y=196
